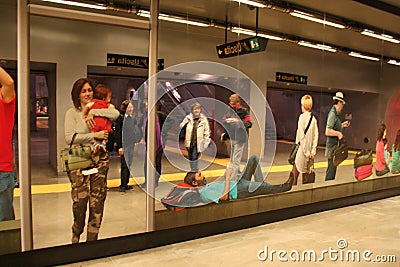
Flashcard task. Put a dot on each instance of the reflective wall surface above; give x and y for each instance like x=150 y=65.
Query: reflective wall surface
x=370 y=90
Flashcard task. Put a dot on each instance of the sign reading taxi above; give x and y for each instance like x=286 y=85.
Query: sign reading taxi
x=242 y=47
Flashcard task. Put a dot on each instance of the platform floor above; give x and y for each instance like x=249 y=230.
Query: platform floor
x=370 y=226
x=125 y=213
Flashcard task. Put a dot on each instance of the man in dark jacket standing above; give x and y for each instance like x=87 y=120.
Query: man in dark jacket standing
x=236 y=121
x=127 y=135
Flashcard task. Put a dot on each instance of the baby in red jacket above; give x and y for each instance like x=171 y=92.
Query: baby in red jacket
x=101 y=99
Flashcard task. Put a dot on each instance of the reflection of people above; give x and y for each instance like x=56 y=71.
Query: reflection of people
x=386 y=152
x=228 y=189
x=232 y=121
x=396 y=154
x=7 y=174
x=101 y=99
x=125 y=143
x=134 y=95
x=87 y=185
x=381 y=167
x=308 y=142
x=159 y=144
x=197 y=135
x=333 y=131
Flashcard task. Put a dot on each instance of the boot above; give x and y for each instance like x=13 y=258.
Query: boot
x=75 y=238
x=92 y=236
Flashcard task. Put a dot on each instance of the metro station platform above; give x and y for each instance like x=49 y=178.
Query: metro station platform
x=125 y=213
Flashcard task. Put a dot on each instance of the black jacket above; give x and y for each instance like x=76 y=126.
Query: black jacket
x=237 y=131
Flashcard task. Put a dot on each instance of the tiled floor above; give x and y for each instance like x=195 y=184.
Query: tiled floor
x=343 y=233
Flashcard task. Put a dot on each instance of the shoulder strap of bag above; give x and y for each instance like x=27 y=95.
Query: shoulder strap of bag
x=66 y=161
x=308 y=125
x=72 y=140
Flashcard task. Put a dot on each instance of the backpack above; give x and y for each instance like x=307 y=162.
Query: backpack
x=178 y=198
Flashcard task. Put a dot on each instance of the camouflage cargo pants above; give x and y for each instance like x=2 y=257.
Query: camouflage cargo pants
x=92 y=188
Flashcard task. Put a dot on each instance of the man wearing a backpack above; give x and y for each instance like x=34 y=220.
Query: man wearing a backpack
x=223 y=190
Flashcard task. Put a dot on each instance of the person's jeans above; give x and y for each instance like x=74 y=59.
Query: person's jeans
x=7 y=183
x=193 y=158
x=330 y=171
x=236 y=157
x=248 y=188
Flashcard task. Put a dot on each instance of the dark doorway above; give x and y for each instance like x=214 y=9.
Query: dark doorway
x=42 y=115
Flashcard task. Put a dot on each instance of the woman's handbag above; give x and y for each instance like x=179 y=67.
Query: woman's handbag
x=295 y=147
x=363 y=158
x=309 y=176
x=293 y=153
x=340 y=152
x=76 y=157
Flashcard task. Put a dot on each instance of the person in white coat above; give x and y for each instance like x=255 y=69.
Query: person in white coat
x=308 y=141
x=197 y=137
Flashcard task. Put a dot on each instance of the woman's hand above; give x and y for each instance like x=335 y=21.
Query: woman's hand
x=89 y=120
x=102 y=135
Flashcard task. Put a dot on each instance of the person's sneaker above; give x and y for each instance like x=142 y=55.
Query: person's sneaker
x=128 y=187
x=122 y=189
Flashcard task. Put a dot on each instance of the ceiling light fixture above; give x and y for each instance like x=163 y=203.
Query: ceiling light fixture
x=355 y=54
x=317 y=46
x=253 y=33
x=251 y=3
x=272 y=37
x=382 y=36
x=146 y=14
x=243 y=31
x=307 y=16
x=394 y=62
x=72 y=3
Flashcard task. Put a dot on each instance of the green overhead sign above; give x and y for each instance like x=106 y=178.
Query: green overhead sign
x=242 y=47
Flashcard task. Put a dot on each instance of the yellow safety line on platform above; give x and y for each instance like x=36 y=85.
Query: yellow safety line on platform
x=170 y=177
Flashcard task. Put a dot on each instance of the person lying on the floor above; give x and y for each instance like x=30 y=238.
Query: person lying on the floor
x=220 y=191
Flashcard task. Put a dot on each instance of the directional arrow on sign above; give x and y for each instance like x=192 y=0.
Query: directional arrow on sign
x=242 y=47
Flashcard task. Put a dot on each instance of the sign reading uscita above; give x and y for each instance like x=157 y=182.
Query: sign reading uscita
x=132 y=61
x=242 y=47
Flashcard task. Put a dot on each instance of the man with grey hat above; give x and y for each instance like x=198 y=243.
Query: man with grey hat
x=333 y=131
